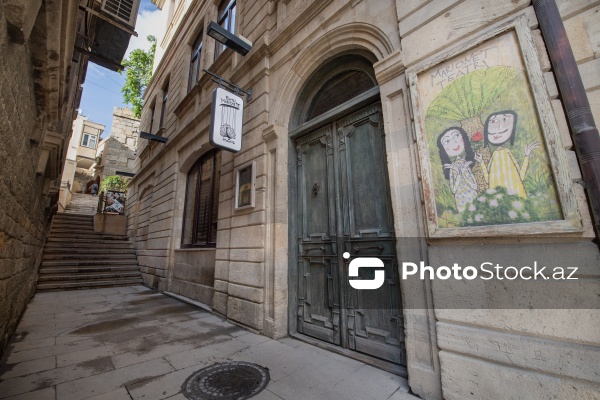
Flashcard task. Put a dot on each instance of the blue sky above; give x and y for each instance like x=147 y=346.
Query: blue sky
x=102 y=87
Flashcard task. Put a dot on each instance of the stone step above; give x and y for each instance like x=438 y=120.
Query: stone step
x=72 y=229
x=103 y=243
x=53 y=247
x=117 y=248
x=63 y=285
x=87 y=269
x=79 y=262
x=89 y=276
x=86 y=235
x=76 y=222
x=107 y=255
x=73 y=216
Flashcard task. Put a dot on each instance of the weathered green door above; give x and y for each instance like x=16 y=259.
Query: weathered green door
x=344 y=206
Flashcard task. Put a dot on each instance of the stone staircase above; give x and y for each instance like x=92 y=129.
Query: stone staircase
x=82 y=204
x=76 y=257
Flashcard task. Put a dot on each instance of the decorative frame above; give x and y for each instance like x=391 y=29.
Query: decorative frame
x=491 y=74
x=245 y=186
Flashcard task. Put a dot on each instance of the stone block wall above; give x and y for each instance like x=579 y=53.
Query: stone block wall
x=120 y=146
x=23 y=221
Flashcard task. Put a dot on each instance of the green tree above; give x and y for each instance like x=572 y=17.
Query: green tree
x=138 y=71
x=113 y=182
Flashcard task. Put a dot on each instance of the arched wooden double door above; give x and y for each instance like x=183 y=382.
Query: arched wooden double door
x=343 y=205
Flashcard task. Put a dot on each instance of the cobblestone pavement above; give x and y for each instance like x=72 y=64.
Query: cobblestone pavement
x=135 y=343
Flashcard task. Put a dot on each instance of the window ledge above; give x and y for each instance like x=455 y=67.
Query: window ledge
x=185 y=249
x=187 y=101
x=222 y=62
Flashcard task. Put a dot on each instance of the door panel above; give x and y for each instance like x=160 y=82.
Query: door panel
x=318 y=290
x=344 y=202
x=364 y=174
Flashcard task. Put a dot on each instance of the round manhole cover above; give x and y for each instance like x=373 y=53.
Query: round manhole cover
x=226 y=381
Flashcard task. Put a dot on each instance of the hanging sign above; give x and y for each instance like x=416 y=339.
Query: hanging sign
x=226 y=120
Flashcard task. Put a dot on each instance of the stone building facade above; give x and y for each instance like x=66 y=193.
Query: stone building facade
x=81 y=155
x=117 y=151
x=253 y=263
x=45 y=51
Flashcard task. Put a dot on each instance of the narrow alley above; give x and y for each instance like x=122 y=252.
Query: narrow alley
x=135 y=343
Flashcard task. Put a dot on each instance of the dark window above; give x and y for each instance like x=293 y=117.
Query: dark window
x=163 y=112
x=226 y=20
x=152 y=109
x=202 y=202
x=195 y=63
x=339 y=89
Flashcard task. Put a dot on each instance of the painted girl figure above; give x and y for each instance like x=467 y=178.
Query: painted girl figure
x=458 y=159
x=503 y=169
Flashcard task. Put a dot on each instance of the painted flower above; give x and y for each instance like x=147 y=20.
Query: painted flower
x=472 y=208
x=491 y=191
x=481 y=199
x=517 y=205
x=526 y=215
x=477 y=136
x=512 y=214
x=478 y=217
x=494 y=203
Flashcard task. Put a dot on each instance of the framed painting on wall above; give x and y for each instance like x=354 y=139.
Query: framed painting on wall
x=489 y=148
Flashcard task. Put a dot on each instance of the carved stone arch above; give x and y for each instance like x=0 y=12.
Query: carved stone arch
x=189 y=157
x=146 y=191
x=354 y=38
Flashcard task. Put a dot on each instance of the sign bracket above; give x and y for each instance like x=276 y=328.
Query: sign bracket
x=224 y=83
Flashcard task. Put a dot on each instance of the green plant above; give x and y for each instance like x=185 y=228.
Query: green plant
x=138 y=71
x=113 y=182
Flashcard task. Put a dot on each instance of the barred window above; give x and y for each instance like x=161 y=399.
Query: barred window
x=202 y=202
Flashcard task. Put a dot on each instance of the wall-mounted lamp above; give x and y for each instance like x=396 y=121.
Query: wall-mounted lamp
x=149 y=136
x=123 y=173
x=238 y=44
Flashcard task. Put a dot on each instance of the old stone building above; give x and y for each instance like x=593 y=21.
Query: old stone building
x=81 y=155
x=45 y=46
x=334 y=159
x=117 y=151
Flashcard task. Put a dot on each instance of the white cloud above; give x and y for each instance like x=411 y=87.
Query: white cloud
x=148 y=22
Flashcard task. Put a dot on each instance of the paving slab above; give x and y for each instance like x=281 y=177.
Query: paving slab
x=135 y=343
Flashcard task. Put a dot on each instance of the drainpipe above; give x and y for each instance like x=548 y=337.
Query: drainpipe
x=577 y=107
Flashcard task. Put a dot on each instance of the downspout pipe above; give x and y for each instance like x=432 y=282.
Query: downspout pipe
x=577 y=107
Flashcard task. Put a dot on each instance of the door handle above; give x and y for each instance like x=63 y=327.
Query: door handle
x=358 y=248
x=307 y=249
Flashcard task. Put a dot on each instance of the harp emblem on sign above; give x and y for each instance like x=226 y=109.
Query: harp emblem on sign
x=229 y=109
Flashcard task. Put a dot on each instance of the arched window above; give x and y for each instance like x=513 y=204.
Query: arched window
x=337 y=82
x=339 y=89
x=202 y=202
